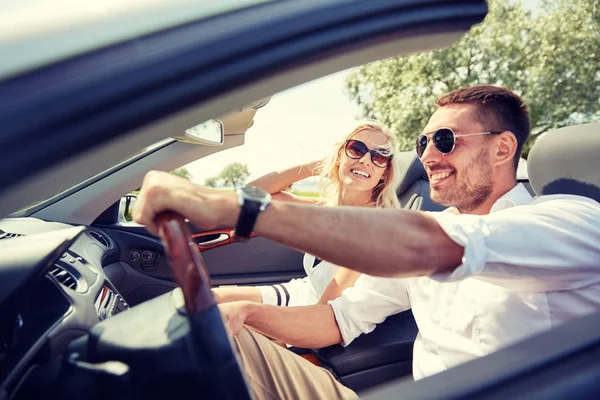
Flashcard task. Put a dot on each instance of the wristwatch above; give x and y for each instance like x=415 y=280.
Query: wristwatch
x=252 y=200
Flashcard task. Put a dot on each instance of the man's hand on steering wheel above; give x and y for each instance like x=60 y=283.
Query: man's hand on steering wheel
x=204 y=207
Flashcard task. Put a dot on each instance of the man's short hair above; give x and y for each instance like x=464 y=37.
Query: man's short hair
x=497 y=108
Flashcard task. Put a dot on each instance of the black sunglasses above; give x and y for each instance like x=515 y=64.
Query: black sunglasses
x=444 y=140
x=356 y=150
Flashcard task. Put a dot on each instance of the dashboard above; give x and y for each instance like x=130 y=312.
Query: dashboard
x=63 y=291
x=66 y=330
x=53 y=289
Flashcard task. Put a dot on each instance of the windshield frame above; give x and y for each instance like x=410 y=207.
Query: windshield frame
x=32 y=209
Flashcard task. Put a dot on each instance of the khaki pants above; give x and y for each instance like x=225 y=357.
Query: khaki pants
x=273 y=372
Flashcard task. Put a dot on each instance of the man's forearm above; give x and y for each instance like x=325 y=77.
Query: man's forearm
x=308 y=326
x=374 y=241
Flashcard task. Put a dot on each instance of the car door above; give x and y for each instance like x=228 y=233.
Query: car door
x=140 y=271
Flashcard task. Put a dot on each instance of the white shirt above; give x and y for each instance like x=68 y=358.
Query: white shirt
x=528 y=266
x=305 y=291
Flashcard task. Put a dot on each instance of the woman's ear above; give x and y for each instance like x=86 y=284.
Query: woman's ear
x=385 y=175
x=339 y=156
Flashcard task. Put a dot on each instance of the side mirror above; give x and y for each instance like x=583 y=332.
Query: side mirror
x=126 y=207
x=208 y=133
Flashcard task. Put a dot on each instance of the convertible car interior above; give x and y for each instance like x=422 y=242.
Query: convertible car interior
x=96 y=272
x=76 y=321
x=110 y=266
x=94 y=306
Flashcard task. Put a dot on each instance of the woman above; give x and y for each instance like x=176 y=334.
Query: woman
x=361 y=171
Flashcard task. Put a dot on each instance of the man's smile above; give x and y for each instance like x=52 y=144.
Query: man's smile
x=439 y=177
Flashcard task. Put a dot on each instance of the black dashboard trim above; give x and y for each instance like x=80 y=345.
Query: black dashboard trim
x=14 y=376
x=27 y=256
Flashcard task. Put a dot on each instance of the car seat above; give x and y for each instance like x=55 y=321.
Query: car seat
x=564 y=161
x=413 y=191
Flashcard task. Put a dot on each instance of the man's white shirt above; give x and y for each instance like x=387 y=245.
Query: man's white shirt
x=528 y=266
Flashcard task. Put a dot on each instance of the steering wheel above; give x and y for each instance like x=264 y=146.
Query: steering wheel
x=210 y=340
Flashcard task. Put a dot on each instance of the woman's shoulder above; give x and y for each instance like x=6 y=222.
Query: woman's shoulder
x=314 y=265
x=309 y=261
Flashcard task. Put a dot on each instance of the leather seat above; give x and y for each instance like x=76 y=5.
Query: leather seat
x=413 y=191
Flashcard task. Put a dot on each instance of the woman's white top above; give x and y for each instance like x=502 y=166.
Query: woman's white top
x=302 y=291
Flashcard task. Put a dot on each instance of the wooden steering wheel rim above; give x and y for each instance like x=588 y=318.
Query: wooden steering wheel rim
x=186 y=262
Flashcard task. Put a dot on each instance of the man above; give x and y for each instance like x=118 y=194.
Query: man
x=496 y=267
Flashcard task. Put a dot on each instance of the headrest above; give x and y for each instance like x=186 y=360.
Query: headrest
x=411 y=170
x=565 y=161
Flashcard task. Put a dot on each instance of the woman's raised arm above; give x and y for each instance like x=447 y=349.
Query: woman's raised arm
x=277 y=181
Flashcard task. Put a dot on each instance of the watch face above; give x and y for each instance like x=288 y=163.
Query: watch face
x=255 y=193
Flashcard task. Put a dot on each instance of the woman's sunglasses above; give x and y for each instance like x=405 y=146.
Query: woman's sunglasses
x=356 y=150
x=444 y=140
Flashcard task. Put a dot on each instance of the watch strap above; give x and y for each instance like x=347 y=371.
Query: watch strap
x=248 y=215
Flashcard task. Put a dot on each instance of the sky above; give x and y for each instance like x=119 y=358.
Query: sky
x=296 y=126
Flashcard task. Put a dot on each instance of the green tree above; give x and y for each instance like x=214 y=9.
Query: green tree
x=212 y=182
x=182 y=172
x=550 y=58
x=235 y=174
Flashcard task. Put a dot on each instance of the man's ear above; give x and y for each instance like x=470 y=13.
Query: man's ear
x=506 y=147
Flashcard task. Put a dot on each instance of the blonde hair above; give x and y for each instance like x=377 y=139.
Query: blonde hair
x=384 y=193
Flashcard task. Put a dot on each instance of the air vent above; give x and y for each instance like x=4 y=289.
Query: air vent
x=99 y=238
x=64 y=277
x=8 y=235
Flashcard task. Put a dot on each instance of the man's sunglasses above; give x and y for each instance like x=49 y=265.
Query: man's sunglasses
x=444 y=140
x=356 y=150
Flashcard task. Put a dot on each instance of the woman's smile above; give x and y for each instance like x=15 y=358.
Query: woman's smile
x=360 y=173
